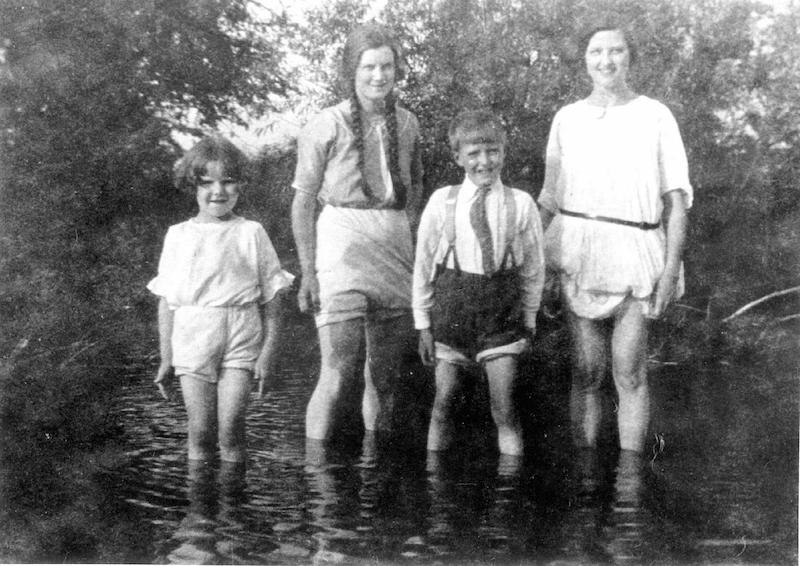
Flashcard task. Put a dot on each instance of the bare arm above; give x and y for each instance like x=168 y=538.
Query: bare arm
x=270 y=324
x=166 y=371
x=675 y=213
x=305 y=233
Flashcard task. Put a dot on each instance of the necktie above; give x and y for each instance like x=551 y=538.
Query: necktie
x=480 y=223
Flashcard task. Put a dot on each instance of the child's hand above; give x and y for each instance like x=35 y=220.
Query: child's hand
x=427 y=348
x=164 y=382
x=308 y=294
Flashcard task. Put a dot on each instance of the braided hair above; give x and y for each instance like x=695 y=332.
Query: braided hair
x=372 y=36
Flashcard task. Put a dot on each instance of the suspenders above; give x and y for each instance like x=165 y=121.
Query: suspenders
x=450 y=227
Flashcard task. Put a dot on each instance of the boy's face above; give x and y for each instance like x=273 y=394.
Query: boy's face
x=217 y=194
x=482 y=161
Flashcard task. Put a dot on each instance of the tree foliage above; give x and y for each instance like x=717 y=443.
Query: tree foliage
x=728 y=69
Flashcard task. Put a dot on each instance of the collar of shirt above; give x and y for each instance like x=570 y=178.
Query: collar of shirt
x=470 y=189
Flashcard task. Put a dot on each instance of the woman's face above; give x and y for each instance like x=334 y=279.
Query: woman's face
x=375 y=74
x=608 y=59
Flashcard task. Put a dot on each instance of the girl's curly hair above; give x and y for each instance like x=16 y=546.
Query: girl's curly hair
x=189 y=168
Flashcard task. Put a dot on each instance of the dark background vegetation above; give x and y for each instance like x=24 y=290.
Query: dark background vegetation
x=92 y=91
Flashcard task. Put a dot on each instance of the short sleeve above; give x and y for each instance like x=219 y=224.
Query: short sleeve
x=313 y=146
x=271 y=278
x=673 y=165
x=163 y=283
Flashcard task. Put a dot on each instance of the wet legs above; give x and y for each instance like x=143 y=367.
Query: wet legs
x=216 y=415
x=340 y=348
x=501 y=374
x=628 y=351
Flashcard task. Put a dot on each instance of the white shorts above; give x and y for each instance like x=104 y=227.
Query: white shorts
x=452 y=355
x=365 y=261
x=207 y=339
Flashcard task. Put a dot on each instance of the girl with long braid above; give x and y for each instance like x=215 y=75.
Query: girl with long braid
x=360 y=161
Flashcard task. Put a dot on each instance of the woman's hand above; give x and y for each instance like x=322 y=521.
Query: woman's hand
x=164 y=381
x=427 y=348
x=264 y=373
x=308 y=294
x=663 y=294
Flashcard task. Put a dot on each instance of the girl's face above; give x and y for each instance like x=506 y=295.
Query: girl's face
x=375 y=74
x=608 y=59
x=217 y=194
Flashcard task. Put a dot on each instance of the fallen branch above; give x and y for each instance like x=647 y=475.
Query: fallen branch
x=757 y=302
x=786 y=318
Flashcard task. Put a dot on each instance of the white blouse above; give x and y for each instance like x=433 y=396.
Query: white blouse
x=223 y=264
x=616 y=162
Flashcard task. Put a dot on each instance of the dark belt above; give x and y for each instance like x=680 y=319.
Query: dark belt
x=631 y=223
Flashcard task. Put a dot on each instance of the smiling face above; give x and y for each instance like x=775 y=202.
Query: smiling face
x=217 y=194
x=375 y=75
x=481 y=160
x=608 y=59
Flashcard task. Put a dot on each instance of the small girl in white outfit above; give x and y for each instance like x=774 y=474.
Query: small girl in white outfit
x=218 y=278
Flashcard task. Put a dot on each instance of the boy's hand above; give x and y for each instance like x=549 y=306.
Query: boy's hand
x=427 y=348
x=308 y=294
x=164 y=381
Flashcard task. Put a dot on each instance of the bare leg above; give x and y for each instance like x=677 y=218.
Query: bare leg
x=370 y=402
x=441 y=429
x=502 y=376
x=200 y=399
x=233 y=394
x=629 y=366
x=589 y=366
x=339 y=347
x=386 y=343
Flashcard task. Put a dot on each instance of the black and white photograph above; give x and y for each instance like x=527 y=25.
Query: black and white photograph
x=358 y=282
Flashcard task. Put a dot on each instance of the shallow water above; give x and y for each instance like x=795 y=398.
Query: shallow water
x=720 y=486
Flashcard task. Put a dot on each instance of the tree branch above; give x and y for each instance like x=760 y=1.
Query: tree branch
x=765 y=298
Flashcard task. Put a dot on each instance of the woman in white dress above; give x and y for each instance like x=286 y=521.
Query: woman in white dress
x=614 y=205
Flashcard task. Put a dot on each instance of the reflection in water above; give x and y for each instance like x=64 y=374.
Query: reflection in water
x=721 y=489
x=210 y=531
x=608 y=521
x=368 y=505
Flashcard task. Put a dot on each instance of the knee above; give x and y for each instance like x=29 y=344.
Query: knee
x=587 y=377
x=442 y=407
x=232 y=436
x=630 y=380
x=202 y=443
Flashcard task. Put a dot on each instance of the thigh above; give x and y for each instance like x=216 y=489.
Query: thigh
x=629 y=342
x=340 y=344
x=200 y=399
x=448 y=381
x=501 y=373
x=590 y=348
x=233 y=394
x=390 y=339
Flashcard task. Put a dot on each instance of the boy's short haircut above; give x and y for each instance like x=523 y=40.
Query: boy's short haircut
x=189 y=168
x=476 y=126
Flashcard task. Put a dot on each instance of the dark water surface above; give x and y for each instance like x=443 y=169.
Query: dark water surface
x=720 y=486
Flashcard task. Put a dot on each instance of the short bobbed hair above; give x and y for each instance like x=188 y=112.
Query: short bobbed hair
x=609 y=26
x=476 y=126
x=194 y=162
x=367 y=36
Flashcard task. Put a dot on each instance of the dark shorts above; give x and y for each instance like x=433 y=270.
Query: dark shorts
x=474 y=312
